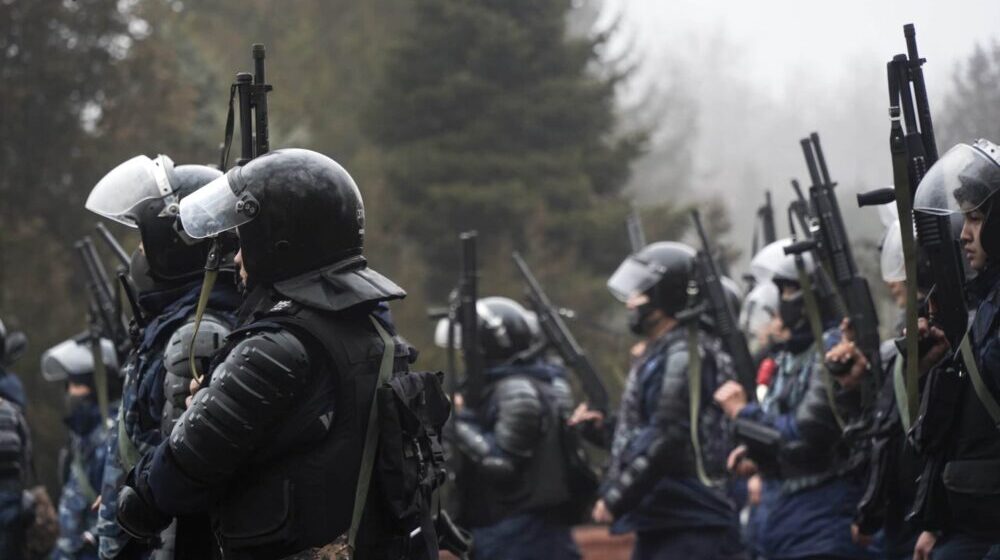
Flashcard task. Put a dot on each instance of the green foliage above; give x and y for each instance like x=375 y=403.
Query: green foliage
x=972 y=109
x=492 y=120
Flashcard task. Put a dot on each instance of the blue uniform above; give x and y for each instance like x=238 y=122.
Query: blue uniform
x=525 y=514
x=143 y=400
x=77 y=521
x=14 y=431
x=809 y=511
x=672 y=511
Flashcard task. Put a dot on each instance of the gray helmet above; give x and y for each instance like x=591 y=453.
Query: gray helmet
x=759 y=307
x=506 y=329
x=663 y=270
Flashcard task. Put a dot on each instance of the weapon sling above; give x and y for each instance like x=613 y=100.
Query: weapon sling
x=694 y=402
x=371 y=437
x=815 y=323
x=985 y=397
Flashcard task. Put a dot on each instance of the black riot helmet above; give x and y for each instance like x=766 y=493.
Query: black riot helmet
x=296 y=210
x=665 y=271
x=146 y=194
x=966 y=178
x=507 y=331
x=12 y=345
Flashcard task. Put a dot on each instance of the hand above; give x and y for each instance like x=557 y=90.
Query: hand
x=847 y=330
x=458 y=403
x=860 y=538
x=193 y=388
x=96 y=505
x=731 y=398
x=139 y=518
x=739 y=464
x=601 y=513
x=938 y=342
x=755 y=488
x=925 y=544
x=845 y=352
x=583 y=414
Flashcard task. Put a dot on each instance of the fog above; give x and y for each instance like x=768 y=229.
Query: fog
x=744 y=81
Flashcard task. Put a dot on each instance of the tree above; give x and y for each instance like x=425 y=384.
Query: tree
x=972 y=108
x=491 y=118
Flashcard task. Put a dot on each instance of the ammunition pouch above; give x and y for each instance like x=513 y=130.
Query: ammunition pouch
x=972 y=488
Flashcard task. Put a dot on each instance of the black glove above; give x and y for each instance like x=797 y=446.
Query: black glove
x=138 y=517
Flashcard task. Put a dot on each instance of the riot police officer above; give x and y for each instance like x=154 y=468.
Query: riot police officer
x=82 y=462
x=15 y=444
x=278 y=448
x=512 y=482
x=893 y=464
x=809 y=499
x=663 y=482
x=166 y=271
x=957 y=427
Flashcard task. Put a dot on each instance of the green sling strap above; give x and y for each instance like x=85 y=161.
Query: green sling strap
x=816 y=324
x=128 y=453
x=371 y=436
x=900 y=387
x=694 y=402
x=100 y=375
x=985 y=397
x=80 y=473
x=206 y=291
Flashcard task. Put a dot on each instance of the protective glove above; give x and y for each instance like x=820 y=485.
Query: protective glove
x=138 y=517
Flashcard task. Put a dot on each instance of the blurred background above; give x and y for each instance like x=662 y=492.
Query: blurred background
x=538 y=122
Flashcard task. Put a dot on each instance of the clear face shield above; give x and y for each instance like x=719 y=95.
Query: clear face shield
x=961 y=181
x=634 y=277
x=217 y=207
x=131 y=183
x=759 y=308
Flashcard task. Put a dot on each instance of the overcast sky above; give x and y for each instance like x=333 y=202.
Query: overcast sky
x=778 y=39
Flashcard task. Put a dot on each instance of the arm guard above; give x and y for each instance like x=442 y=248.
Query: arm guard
x=816 y=423
x=176 y=360
x=250 y=391
x=519 y=416
x=668 y=444
x=515 y=434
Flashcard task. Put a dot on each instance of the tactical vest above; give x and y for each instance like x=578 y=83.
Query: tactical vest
x=971 y=473
x=298 y=490
x=540 y=484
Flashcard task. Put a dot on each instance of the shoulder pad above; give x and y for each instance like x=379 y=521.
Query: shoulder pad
x=519 y=419
x=211 y=334
x=339 y=286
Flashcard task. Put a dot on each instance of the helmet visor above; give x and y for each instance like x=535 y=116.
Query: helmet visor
x=72 y=358
x=216 y=208
x=126 y=186
x=634 y=277
x=961 y=181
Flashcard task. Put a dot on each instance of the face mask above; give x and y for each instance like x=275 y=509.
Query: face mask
x=83 y=414
x=138 y=270
x=637 y=319
x=792 y=311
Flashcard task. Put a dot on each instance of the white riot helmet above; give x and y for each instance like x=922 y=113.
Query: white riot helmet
x=771 y=263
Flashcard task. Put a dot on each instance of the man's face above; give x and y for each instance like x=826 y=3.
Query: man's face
x=971 y=230
x=78 y=389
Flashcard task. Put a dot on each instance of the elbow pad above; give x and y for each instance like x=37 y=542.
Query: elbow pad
x=472 y=443
x=249 y=392
x=176 y=359
x=518 y=427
